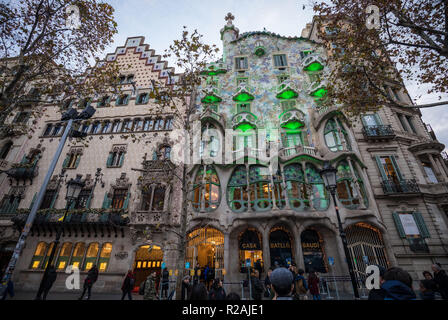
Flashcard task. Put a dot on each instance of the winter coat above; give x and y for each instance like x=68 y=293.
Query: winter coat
x=128 y=283
x=92 y=276
x=313 y=283
x=257 y=288
x=186 y=291
x=441 y=279
x=150 y=289
x=165 y=276
x=397 y=290
x=377 y=294
x=217 y=294
x=300 y=284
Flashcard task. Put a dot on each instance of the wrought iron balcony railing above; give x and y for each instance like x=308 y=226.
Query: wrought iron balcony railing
x=378 y=131
x=401 y=186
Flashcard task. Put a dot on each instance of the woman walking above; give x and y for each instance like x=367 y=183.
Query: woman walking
x=313 y=284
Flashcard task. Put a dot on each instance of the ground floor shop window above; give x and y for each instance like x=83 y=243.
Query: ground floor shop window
x=148 y=259
x=250 y=249
x=280 y=244
x=313 y=251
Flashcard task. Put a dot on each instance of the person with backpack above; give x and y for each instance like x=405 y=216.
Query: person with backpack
x=150 y=292
x=128 y=285
x=91 y=278
x=301 y=286
x=165 y=282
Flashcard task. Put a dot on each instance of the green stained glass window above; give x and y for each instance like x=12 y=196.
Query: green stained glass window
x=211 y=98
x=287 y=94
x=315 y=66
x=298 y=192
x=243 y=97
x=206 y=189
x=319 y=195
x=278 y=190
x=260 y=188
x=237 y=195
x=335 y=136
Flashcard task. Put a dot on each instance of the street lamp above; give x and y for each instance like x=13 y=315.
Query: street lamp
x=328 y=173
x=74 y=187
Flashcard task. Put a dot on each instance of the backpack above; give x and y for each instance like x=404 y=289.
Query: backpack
x=300 y=287
x=141 y=290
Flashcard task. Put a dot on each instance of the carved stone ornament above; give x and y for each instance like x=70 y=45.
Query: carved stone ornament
x=121 y=255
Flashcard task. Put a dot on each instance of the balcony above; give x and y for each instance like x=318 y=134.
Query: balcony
x=318 y=89
x=287 y=90
x=12 y=130
x=210 y=114
x=400 y=187
x=22 y=171
x=150 y=218
x=313 y=62
x=292 y=151
x=211 y=95
x=244 y=121
x=378 y=132
x=243 y=93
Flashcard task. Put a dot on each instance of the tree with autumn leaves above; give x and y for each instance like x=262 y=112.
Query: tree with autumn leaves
x=46 y=59
x=369 y=39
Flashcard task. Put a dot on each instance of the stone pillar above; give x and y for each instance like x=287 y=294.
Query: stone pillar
x=266 y=250
x=442 y=163
x=433 y=165
x=299 y=251
x=226 y=253
x=438 y=162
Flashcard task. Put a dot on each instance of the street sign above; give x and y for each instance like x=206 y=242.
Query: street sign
x=247 y=262
x=163 y=265
x=331 y=261
x=187 y=265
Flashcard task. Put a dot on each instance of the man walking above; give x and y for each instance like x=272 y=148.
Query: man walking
x=165 y=283
x=128 y=285
x=441 y=279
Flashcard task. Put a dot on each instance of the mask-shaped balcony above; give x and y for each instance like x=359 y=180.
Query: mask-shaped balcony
x=244 y=121
x=287 y=90
x=318 y=89
x=313 y=63
x=214 y=69
x=292 y=119
x=211 y=115
x=210 y=95
x=243 y=93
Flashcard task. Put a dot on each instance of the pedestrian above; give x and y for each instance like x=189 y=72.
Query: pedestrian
x=150 y=287
x=47 y=283
x=128 y=285
x=258 y=266
x=268 y=293
x=292 y=269
x=199 y=292
x=233 y=296
x=91 y=278
x=196 y=274
x=441 y=279
x=165 y=282
x=380 y=293
x=257 y=286
x=301 y=286
x=313 y=283
x=9 y=288
x=282 y=284
x=217 y=292
x=186 y=288
x=427 y=290
x=398 y=285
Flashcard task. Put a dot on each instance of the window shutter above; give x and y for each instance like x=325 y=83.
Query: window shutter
x=34 y=199
x=121 y=159
x=54 y=199
x=14 y=205
x=380 y=167
x=109 y=159
x=106 y=201
x=126 y=100
x=65 y=163
x=154 y=155
x=424 y=233
x=126 y=202
x=394 y=162
x=398 y=225
x=78 y=158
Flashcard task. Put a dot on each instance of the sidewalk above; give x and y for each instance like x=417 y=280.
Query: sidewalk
x=30 y=295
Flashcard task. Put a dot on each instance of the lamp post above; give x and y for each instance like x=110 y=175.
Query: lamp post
x=74 y=187
x=70 y=116
x=329 y=175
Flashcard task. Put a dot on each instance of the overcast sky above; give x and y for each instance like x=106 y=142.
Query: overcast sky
x=161 y=21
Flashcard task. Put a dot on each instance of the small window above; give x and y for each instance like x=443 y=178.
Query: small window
x=430 y=173
x=57 y=130
x=169 y=124
x=85 y=128
x=39 y=255
x=106 y=251
x=242 y=80
x=106 y=127
x=411 y=124
x=118 y=198
x=91 y=256
x=22 y=117
x=48 y=130
x=280 y=60
x=127 y=125
x=122 y=100
x=104 y=101
x=158 y=124
x=47 y=201
x=130 y=78
x=142 y=98
x=148 y=125
x=96 y=127
x=83 y=199
x=115 y=159
x=138 y=124
x=122 y=79
x=116 y=127
x=243 y=107
x=241 y=63
x=73 y=160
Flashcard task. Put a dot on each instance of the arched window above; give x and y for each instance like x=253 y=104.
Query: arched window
x=47 y=256
x=39 y=255
x=347 y=190
x=78 y=254
x=237 y=190
x=319 y=196
x=278 y=190
x=5 y=150
x=291 y=137
x=64 y=255
x=104 y=256
x=298 y=194
x=206 y=189
x=335 y=135
x=92 y=254
x=210 y=142
x=260 y=188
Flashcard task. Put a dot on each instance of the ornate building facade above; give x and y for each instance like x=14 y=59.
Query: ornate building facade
x=267 y=205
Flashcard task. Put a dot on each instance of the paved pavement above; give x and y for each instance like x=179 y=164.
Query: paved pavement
x=28 y=295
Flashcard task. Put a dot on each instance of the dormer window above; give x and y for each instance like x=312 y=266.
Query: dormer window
x=104 y=101
x=130 y=78
x=280 y=60
x=143 y=98
x=122 y=79
x=241 y=63
x=122 y=100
